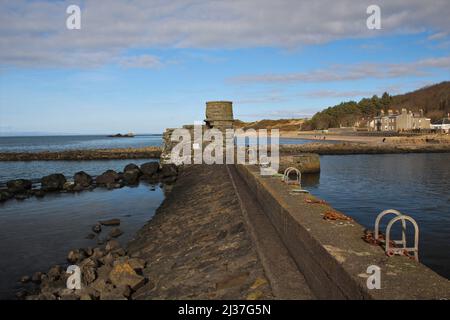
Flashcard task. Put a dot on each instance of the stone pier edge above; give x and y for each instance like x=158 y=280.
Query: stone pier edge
x=331 y=254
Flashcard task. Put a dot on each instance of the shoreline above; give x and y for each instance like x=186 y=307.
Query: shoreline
x=348 y=145
x=89 y=154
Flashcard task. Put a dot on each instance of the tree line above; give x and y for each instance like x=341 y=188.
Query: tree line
x=346 y=114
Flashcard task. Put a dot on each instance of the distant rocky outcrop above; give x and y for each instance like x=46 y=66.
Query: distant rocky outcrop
x=132 y=174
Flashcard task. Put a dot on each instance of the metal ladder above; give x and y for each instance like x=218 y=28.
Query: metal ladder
x=288 y=180
x=390 y=250
x=296 y=181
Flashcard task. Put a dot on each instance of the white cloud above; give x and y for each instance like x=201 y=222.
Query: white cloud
x=350 y=72
x=142 y=61
x=33 y=33
x=319 y=94
x=438 y=36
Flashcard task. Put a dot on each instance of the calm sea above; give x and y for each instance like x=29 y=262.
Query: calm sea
x=80 y=142
x=416 y=184
x=36 y=234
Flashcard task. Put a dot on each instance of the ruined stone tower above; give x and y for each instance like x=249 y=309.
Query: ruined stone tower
x=219 y=115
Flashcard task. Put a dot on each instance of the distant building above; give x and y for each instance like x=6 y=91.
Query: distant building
x=404 y=121
x=442 y=125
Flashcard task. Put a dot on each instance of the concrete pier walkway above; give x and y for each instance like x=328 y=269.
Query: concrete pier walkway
x=199 y=245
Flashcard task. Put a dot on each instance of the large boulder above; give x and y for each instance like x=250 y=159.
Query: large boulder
x=169 y=170
x=123 y=274
x=82 y=179
x=19 y=185
x=110 y=222
x=107 y=178
x=150 y=168
x=131 y=167
x=131 y=176
x=53 y=182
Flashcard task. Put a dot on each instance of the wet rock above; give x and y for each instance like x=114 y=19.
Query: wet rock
x=169 y=170
x=55 y=273
x=68 y=294
x=110 y=222
x=25 y=279
x=131 y=167
x=89 y=251
x=18 y=185
x=115 y=233
x=108 y=259
x=74 y=256
x=119 y=252
x=102 y=286
x=108 y=178
x=98 y=253
x=90 y=236
x=131 y=177
x=89 y=274
x=82 y=179
x=150 y=168
x=37 y=277
x=68 y=186
x=112 y=245
x=90 y=262
x=53 y=182
x=97 y=228
x=123 y=274
x=103 y=272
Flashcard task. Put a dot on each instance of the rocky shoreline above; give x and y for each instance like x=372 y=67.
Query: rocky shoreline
x=96 y=154
x=196 y=247
x=108 y=271
x=153 y=172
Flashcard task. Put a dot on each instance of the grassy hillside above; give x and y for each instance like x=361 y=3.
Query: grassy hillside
x=434 y=100
x=281 y=124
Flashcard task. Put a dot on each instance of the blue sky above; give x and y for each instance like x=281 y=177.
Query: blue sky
x=143 y=66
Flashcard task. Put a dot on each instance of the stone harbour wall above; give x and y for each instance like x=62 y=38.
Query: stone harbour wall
x=329 y=251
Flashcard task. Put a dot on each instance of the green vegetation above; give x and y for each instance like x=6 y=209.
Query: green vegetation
x=346 y=114
x=433 y=100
